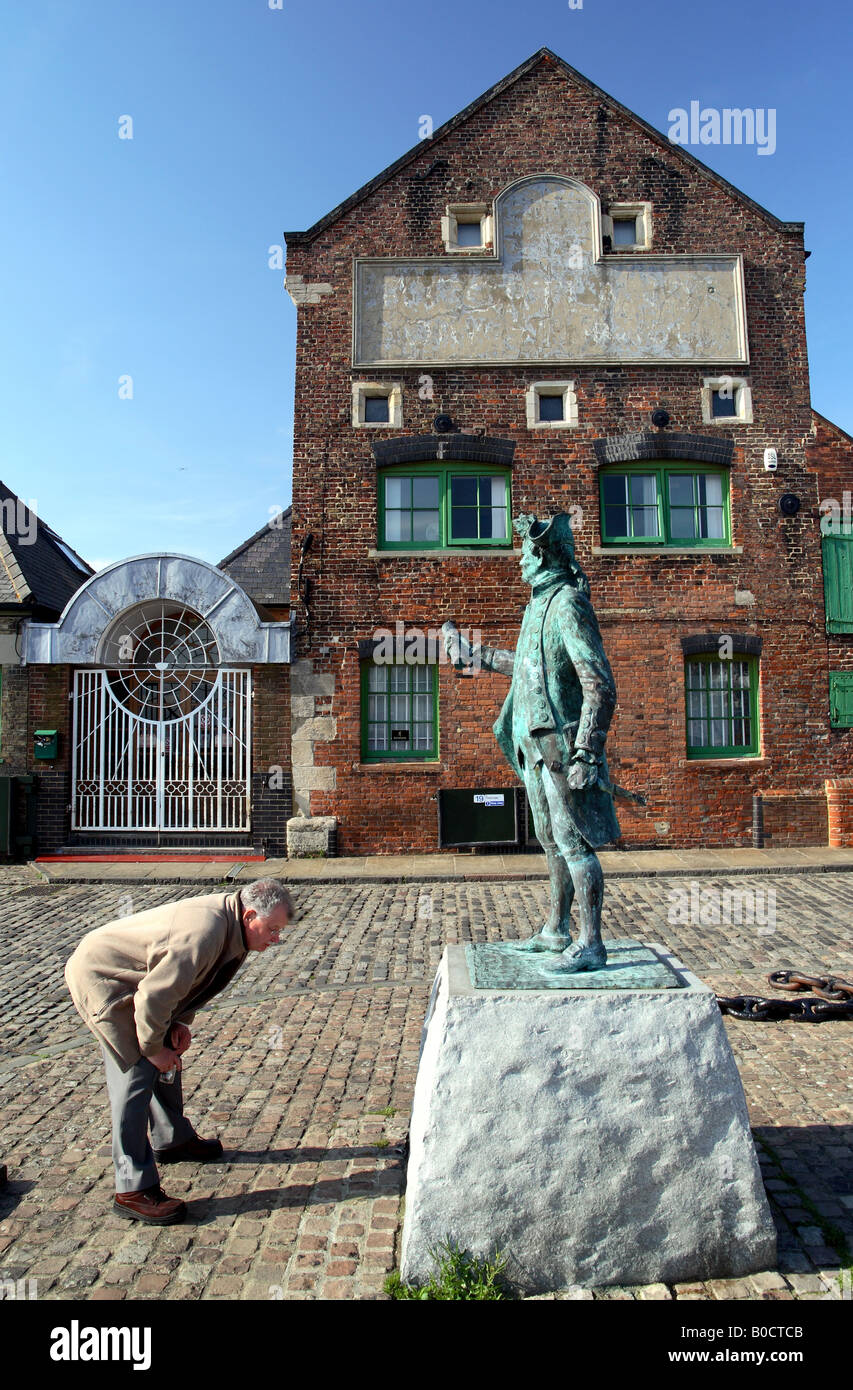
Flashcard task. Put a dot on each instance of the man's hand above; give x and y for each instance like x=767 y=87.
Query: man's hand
x=181 y=1037
x=166 y=1058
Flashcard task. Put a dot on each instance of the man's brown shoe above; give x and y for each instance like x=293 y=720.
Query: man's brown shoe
x=195 y=1150
x=151 y=1205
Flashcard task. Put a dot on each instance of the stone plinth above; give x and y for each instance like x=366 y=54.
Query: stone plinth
x=594 y=1135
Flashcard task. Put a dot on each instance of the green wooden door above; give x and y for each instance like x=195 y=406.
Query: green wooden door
x=841 y=699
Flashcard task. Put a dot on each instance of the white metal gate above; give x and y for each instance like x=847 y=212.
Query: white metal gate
x=161 y=748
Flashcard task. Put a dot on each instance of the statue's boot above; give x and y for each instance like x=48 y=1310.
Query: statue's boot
x=592 y=957
x=555 y=942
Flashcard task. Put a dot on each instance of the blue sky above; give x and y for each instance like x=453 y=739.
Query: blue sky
x=149 y=257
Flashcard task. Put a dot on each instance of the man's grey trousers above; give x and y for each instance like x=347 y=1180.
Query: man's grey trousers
x=138 y=1096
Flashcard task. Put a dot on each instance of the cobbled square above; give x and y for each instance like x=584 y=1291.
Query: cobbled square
x=305 y=1068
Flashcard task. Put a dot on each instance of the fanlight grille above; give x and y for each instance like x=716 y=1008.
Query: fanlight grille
x=162 y=659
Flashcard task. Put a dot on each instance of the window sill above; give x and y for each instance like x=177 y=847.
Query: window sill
x=439 y=553
x=389 y=765
x=752 y=759
x=614 y=551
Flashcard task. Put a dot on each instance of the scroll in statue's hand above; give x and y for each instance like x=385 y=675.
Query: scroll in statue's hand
x=457 y=647
x=582 y=776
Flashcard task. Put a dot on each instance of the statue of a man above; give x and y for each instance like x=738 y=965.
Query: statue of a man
x=552 y=730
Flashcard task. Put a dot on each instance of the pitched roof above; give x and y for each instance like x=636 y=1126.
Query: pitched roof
x=38 y=569
x=542 y=55
x=831 y=425
x=261 y=565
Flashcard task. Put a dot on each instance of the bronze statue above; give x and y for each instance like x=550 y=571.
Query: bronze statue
x=552 y=730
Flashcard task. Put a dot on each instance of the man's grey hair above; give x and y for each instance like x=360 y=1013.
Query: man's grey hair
x=265 y=895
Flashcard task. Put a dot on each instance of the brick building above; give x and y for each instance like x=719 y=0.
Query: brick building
x=545 y=306
x=161 y=688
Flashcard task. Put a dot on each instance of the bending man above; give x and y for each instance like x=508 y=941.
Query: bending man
x=137 y=983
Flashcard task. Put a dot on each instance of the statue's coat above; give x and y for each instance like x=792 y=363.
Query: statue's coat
x=562 y=698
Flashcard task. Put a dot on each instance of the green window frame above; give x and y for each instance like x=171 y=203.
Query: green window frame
x=721 y=706
x=438 y=506
x=399 y=697
x=661 y=504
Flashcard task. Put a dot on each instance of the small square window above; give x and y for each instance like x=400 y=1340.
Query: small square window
x=467 y=227
x=726 y=399
x=377 y=403
x=551 y=405
x=628 y=225
x=624 y=231
x=376 y=411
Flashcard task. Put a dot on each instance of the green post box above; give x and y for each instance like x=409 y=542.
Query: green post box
x=46 y=743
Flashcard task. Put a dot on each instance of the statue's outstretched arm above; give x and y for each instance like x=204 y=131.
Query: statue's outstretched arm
x=496 y=659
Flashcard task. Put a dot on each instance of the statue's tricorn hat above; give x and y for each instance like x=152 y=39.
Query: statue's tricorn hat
x=554 y=535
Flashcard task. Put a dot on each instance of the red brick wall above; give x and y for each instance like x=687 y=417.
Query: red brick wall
x=547 y=123
x=795 y=818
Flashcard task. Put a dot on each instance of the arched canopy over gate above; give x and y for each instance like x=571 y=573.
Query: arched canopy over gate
x=240 y=634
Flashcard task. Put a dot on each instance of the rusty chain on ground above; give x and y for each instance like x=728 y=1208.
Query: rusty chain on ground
x=831 y=998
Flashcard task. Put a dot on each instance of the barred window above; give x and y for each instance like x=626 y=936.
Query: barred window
x=722 y=707
x=399 y=711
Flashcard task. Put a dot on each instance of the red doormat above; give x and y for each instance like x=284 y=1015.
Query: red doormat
x=150 y=859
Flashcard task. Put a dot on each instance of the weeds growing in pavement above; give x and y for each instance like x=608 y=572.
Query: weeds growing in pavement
x=457 y=1277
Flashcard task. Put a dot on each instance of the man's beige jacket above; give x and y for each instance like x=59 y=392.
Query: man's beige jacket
x=133 y=978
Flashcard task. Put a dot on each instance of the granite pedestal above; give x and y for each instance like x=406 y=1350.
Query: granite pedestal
x=593 y=1128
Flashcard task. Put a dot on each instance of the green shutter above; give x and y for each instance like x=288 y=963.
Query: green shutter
x=841 y=699
x=838 y=582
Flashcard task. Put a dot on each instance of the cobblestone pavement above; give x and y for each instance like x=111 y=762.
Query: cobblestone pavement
x=306 y=1068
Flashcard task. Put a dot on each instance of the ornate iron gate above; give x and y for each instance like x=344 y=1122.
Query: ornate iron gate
x=159 y=748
